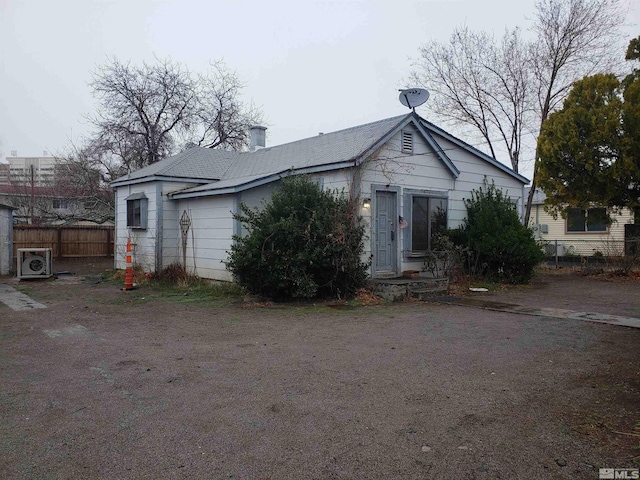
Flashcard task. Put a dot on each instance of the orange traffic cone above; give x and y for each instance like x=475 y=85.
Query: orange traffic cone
x=128 y=276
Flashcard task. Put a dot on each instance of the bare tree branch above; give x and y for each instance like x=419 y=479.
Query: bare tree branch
x=480 y=83
x=575 y=39
x=507 y=89
x=146 y=112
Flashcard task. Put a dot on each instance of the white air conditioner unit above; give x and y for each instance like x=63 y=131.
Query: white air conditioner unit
x=550 y=249
x=34 y=263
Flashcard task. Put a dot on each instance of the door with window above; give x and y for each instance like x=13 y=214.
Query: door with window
x=385 y=247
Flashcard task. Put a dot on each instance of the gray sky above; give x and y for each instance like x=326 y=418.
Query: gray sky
x=312 y=66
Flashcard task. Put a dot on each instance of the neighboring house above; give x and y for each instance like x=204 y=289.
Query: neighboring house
x=6 y=239
x=43 y=194
x=411 y=178
x=43 y=205
x=582 y=232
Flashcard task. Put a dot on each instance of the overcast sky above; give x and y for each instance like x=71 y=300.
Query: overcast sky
x=312 y=66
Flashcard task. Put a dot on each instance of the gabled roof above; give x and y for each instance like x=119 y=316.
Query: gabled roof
x=471 y=149
x=538 y=196
x=221 y=172
x=341 y=149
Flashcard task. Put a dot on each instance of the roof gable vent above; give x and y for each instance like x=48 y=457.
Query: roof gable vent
x=407 y=142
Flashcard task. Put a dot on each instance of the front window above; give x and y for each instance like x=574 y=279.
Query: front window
x=428 y=217
x=590 y=220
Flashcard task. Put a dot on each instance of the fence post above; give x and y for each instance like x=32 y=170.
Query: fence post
x=557 y=254
x=59 y=242
x=108 y=246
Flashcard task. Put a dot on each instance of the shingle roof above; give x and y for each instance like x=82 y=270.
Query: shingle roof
x=323 y=150
x=538 y=196
x=194 y=163
x=211 y=165
x=220 y=171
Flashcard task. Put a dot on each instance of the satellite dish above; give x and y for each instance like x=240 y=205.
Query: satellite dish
x=413 y=97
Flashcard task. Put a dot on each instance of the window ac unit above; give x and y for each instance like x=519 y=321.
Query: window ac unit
x=550 y=249
x=34 y=263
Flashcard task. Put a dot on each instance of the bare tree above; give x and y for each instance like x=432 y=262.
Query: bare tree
x=221 y=119
x=575 y=38
x=83 y=175
x=480 y=82
x=507 y=89
x=147 y=112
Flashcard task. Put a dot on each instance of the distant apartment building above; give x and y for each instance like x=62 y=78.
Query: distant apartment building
x=4 y=174
x=36 y=171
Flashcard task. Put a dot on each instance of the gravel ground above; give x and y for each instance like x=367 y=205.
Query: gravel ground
x=107 y=384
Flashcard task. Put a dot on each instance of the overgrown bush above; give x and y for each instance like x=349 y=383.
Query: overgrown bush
x=306 y=242
x=501 y=248
x=445 y=257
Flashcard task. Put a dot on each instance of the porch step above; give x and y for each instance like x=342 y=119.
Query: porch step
x=398 y=288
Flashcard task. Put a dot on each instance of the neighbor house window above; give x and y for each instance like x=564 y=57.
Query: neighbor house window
x=427 y=216
x=60 y=204
x=137 y=210
x=589 y=220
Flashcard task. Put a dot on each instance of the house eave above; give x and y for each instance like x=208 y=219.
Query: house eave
x=160 y=178
x=274 y=177
x=469 y=148
x=381 y=141
x=415 y=120
x=438 y=149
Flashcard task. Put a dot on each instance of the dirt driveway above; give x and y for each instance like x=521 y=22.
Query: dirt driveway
x=106 y=384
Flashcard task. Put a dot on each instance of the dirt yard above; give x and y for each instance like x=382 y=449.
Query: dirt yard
x=151 y=384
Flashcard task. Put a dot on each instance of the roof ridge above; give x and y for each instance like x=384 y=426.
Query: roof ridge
x=335 y=132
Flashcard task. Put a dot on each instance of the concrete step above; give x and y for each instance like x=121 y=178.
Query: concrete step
x=400 y=288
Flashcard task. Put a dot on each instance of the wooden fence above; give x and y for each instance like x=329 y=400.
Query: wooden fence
x=66 y=241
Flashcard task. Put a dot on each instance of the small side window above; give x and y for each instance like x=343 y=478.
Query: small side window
x=137 y=211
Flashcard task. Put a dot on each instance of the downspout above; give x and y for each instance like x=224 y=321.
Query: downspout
x=115 y=233
x=159 y=227
x=522 y=205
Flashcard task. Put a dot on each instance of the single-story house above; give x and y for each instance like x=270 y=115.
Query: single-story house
x=410 y=177
x=583 y=232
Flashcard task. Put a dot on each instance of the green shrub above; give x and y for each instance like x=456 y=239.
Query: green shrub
x=501 y=247
x=306 y=242
x=445 y=257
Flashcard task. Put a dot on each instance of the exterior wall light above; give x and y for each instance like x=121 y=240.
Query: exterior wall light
x=366 y=203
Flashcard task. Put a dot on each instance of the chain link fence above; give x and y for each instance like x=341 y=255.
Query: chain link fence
x=623 y=255
x=589 y=248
